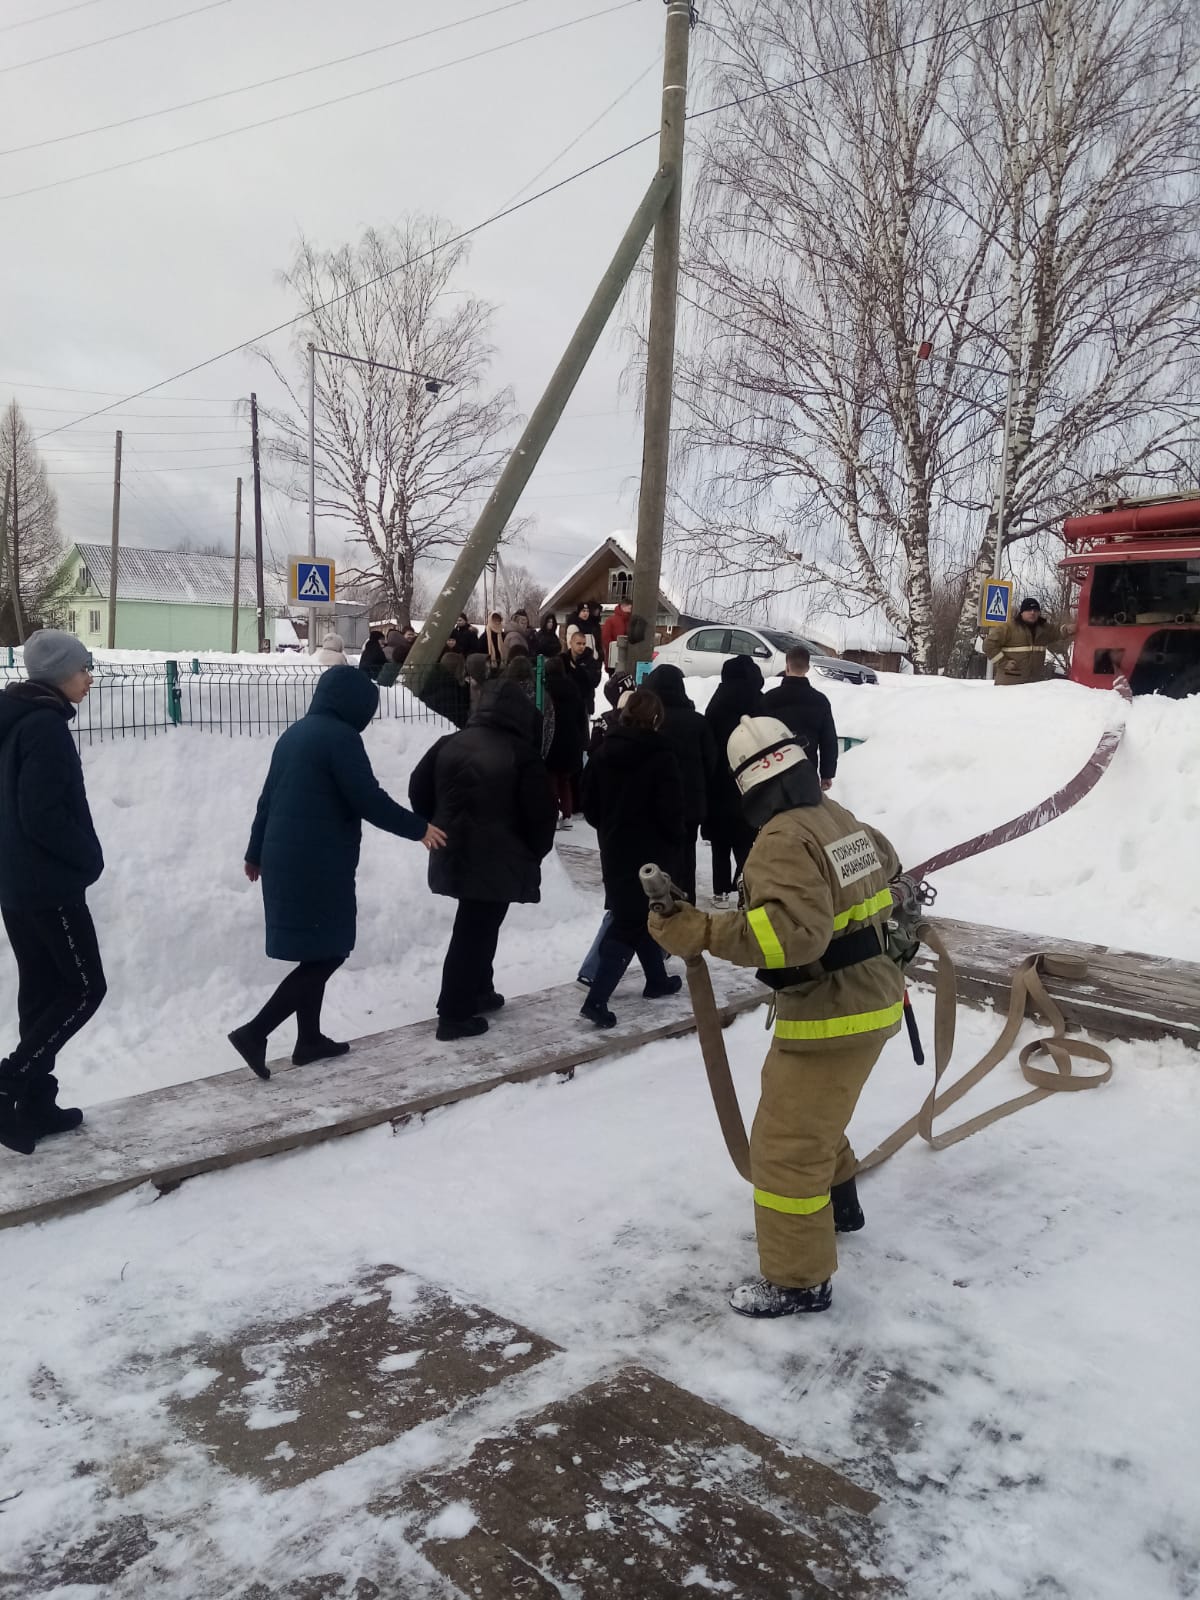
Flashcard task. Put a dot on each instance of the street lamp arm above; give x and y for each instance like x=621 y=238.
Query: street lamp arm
x=386 y=366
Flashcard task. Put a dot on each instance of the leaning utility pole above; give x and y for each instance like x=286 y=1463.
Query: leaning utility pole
x=260 y=598
x=660 y=356
x=237 y=566
x=484 y=537
x=8 y=483
x=116 y=545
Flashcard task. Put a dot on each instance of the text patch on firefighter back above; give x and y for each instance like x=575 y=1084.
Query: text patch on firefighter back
x=853 y=858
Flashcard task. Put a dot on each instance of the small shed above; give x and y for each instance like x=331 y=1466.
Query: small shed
x=606 y=574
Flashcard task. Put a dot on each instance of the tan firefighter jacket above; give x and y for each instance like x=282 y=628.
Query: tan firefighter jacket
x=816 y=875
x=1020 y=651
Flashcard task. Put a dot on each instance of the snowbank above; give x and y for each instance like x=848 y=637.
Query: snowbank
x=943 y=760
x=181 y=930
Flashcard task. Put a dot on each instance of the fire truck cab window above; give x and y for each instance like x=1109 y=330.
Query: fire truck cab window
x=1146 y=592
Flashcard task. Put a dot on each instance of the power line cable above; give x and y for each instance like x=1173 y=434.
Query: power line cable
x=321 y=105
x=144 y=27
x=142 y=416
x=184 y=450
x=88 y=472
x=114 y=394
x=263 y=83
x=48 y=16
x=521 y=205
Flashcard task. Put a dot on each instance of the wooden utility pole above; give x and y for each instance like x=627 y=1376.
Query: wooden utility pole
x=237 y=565
x=116 y=546
x=8 y=480
x=14 y=540
x=660 y=357
x=493 y=519
x=260 y=598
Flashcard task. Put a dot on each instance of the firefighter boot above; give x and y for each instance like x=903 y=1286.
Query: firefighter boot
x=847 y=1213
x=759 y=1298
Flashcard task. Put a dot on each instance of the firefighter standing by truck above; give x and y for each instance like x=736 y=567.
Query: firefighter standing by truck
x=816 y=903
x=1019 y=647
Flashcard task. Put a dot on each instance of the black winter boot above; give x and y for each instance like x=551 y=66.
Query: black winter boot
x=318 y=1049
x=450 y=1028
x=847 y=1213
x=609 y=971
x=42 y=1112
x=252 y=1047
x=759 y=1298
x=15 y=1133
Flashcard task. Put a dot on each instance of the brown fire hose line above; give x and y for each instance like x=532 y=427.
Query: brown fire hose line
x=1027 y=990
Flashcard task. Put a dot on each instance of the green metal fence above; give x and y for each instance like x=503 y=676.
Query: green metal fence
x=148 y=699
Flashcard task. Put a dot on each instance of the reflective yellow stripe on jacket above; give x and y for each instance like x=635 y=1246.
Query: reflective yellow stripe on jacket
x=840 y=1027
x=864 y=909
x=793 y=1208
x=768 y=939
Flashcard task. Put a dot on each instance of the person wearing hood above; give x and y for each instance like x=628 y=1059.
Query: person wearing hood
x=488 y=788
x=564 y=758
x=689 y=735
x=739 y=694
x=816 y=901
x=547 y=641
x=519 y=670
x=493 y=642
x=332 y=652
x=1019 y=647
x=373 y=657
x=632 y=797
x=445 y=689
x=304 y=846
x=49 y=859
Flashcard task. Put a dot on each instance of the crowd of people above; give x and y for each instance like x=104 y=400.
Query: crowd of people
x=651 y=774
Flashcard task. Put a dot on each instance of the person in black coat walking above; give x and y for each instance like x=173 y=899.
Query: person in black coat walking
x=564 y=759
x=489 y=789
x=464 y=637
x=373 y=657
x=633 y=797
x=49 y=858
x=304 y=845
x=686 y=731
x=739 y=695
x=805 y=712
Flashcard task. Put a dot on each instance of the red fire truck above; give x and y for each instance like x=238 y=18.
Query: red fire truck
x=1137 y=563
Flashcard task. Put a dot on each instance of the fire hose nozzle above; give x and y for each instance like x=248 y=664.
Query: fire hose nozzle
x=664 y=896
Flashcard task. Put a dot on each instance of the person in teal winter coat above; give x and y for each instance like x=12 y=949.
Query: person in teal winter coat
x=305 y=845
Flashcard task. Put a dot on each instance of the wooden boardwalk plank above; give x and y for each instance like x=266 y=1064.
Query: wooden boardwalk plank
x=1126 y=994
x=171 y=1134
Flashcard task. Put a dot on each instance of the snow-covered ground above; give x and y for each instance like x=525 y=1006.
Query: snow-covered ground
x=1009 y=1361
x=1010 y=1357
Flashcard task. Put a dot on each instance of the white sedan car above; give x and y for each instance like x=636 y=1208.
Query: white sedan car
x=703 y=651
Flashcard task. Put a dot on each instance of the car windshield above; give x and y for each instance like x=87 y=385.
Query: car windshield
x=789 y=641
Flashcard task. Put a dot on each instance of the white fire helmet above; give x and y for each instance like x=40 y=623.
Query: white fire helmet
x=760 y=748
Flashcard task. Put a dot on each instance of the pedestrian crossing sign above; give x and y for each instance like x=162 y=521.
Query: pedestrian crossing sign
x=312 y=582
x=996 y=605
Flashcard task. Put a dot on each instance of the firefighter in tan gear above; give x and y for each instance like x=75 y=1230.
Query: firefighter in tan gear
x=1019 y=647
x=815 y=901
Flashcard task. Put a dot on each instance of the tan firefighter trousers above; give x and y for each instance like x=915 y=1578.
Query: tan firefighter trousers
x=798 y=1148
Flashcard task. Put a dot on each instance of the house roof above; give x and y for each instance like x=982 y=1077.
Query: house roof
x=563 y=591
x=177 y=577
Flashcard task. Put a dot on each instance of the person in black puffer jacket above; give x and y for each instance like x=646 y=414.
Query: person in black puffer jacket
x=686 y=731
x=633 y=797
x=546 y=641
x=49 y=858
x=729 y=834
x=489 y=789
x=565 y=756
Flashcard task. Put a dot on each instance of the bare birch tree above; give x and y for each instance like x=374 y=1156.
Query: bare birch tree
x=31 y=546
x=894 y=173
x=403 y=458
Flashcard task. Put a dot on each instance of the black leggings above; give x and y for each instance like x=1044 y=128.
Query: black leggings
x=301 y=995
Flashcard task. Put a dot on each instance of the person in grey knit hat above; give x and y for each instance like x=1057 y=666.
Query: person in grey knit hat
x=49 y=858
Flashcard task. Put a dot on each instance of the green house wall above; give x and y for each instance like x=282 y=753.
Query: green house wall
x=156 y=625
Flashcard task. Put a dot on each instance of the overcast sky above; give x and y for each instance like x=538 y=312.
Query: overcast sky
x=119 y=280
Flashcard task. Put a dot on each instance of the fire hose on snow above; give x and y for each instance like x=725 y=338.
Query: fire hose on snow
x=909 y=928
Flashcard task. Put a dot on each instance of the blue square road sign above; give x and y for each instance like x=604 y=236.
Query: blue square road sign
x=313 y=582
x=996 y=605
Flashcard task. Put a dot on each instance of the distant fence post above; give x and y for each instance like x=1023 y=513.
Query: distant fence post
x=541 y=682
x=174 y=698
